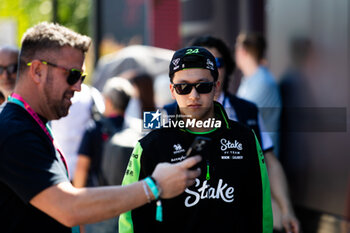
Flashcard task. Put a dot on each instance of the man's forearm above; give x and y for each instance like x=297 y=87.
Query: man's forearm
x=96 y=204
x=73 y=206
x=88 y=205
x=278 y=182
x=279 y=191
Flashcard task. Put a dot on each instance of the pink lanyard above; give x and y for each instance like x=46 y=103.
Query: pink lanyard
x=17 y=99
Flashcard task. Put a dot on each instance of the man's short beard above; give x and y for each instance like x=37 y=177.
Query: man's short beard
x=57 y=111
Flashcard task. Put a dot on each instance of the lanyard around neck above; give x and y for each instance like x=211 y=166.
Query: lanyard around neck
x=17 y=99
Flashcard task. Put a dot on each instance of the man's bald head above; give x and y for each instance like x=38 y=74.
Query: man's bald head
x=8 y=68
x=9 y=48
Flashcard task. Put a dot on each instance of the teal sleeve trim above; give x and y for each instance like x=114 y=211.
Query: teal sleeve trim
x=132 y=175
x=76 y=229
x=267 y=220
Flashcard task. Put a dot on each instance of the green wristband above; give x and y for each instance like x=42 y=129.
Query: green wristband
x=153 y=187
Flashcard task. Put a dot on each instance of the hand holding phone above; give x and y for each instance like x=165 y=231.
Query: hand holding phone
x=199 y=146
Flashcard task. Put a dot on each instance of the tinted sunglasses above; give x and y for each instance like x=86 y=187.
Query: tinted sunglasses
x=219 y=62
x=74 y=75
x=10 y=69
x=186 y=88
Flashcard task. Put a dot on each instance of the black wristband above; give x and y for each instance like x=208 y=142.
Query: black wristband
x=157 y=184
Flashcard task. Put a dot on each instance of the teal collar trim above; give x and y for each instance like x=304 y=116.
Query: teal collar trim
x=16 y=101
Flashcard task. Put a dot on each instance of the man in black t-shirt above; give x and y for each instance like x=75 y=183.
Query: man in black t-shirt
x=35 y=192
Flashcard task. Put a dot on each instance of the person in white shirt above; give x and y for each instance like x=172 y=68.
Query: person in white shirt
x=68 y=131
x=258 y=84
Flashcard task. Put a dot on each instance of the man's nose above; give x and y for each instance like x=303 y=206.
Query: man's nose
x=5 y=74
x=194 y=94
x=77 y=86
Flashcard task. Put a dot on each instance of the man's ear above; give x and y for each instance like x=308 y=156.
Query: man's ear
x=37 y=71
x=171 y=86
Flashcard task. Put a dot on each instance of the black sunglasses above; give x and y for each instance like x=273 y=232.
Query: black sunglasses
x=74 y=75
x=186 y=88
x=219 y=62
x=10 y=69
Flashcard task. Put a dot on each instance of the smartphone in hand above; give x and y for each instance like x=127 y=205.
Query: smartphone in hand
x=200 y=146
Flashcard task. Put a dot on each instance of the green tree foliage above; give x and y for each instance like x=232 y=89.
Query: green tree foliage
x=75 y=14
x=26 y=13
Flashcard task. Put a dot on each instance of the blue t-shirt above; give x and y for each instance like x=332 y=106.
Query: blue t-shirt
x=262 y=89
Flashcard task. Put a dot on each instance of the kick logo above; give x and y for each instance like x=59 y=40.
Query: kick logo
x=178 y=149
x=210 y=64
x=152 y=120
x=176 y=63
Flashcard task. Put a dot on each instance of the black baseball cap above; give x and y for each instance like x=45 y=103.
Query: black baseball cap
x=193 y=57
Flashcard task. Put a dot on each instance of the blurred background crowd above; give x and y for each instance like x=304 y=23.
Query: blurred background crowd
x=307 y=53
